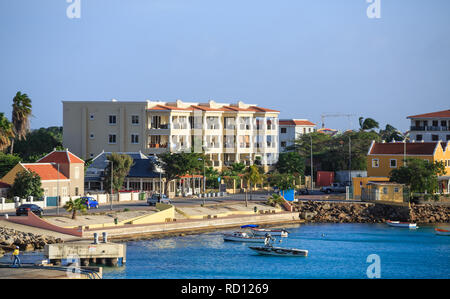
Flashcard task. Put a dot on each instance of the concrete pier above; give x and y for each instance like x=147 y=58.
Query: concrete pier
x=87 y=253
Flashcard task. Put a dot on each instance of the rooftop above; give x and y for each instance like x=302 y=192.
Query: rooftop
x=46 y=171
x=443 y=113
x=62 y=157
x=400 y=148
x=296 y=122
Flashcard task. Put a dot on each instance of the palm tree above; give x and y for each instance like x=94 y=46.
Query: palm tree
x=367 y=123
x=20 y=116
x=253 y=176
x=74 y=206
x=6 y=132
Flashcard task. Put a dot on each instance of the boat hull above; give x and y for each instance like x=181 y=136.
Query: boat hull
x=275 y=232
x=401 y=224
x=279 y=251
x=442 y=232
x=231 y=238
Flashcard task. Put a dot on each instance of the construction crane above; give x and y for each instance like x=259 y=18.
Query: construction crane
x=323 y=116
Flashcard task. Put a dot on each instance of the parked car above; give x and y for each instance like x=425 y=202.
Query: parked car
x=155 y=198
x=303 y=191
x=90 y=202
x=25 y=208
x=335 y=187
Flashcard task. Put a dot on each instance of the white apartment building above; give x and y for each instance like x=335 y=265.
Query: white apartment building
x=226 y=132
x=428 y=127
x=291 y=129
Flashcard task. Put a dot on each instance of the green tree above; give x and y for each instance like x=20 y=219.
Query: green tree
x=390 y=133
x=38 y=143
x=7 y=162
x=6 y=132
x=253 y=175
x=74 y=206
x=367 y=124
x=282 y=181
x=26 y=183
x=291 y=163
x=121 y=167
x=176 y=165
x=21 y=114
x=419 y=175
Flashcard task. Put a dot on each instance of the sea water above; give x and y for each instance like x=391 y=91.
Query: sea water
x=335 y=251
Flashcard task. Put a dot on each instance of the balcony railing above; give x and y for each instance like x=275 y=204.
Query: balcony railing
x=429 y=128
x=157 y=145
x=160 y=126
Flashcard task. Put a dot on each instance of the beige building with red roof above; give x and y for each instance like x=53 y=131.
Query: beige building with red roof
x=432 y=126
x=291 y=129
x=226 y=132
x=61 y=173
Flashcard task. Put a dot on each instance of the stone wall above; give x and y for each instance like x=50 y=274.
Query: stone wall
x=324 y=212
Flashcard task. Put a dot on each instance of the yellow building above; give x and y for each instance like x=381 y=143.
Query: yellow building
x=383 y=191
x=384 y=157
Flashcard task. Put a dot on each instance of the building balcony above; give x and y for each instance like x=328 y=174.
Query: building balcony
x=159 y=126
x=430 y=128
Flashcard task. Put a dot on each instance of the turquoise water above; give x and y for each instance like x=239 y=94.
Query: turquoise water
x=341 y=253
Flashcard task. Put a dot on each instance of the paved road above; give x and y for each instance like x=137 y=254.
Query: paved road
x=142 y=205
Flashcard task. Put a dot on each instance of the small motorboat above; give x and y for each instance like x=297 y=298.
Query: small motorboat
x=242 y=237
x=401 y=224
x=273 y=232
x=442 y=232
x=279 y=251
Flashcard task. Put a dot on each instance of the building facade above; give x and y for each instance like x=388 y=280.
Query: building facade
x=227 y=133
x=61 y=173
x=428 y=127
x=291 y=129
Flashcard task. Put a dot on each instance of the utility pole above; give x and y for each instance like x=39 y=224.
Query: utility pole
x=350 y=159
x=312 y=174
x=111 y=207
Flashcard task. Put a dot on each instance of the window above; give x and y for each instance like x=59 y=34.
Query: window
x=76 y=191
x=435 y=123
x=112 y=138
x=419 y=137
x=134 y=138
x=64 y=191
x=77 y=173
x=375 y=163
x=385 y=190
x=393 y=163
x=112 y=119
x=91 y=155
x=434 y=137
x=448 y=137
x=443 y=123
x=396 y=189
x=283 y=130
x=135 y=119
x=283 y=144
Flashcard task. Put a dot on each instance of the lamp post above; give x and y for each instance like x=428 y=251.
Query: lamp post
x=57 y=188
x=204 y=179
x=112 y=171
x=312 y=174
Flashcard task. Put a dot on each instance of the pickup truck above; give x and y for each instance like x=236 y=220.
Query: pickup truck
x=335 y=187
x=154 y=199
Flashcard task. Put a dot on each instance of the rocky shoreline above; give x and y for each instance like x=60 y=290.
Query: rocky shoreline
x=10 y=238
x=330 y=212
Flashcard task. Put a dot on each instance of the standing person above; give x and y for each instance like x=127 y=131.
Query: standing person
x=15 y=255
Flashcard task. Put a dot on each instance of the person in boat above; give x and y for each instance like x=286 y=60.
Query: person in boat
x=268 y=240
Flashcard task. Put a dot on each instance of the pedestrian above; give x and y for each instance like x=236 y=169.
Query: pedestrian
x=15 y=255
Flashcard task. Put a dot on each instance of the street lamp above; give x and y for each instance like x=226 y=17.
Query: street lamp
x=204 y=179
x=57 y=188
x=312 y=174
x=111 y=199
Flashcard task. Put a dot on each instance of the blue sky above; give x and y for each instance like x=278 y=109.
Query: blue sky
x=302 y=57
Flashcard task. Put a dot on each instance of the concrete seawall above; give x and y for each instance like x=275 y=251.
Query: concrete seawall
x=188 y=226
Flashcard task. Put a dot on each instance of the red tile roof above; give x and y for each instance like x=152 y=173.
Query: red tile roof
x=398 y=148
x=46 y=171
x=443 y=113
x=296 y=122
x=62 y=157
x=206 y=108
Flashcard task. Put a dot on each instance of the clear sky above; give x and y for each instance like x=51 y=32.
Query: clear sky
x=302 y=57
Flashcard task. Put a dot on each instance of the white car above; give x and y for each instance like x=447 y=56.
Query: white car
x=152 y=201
